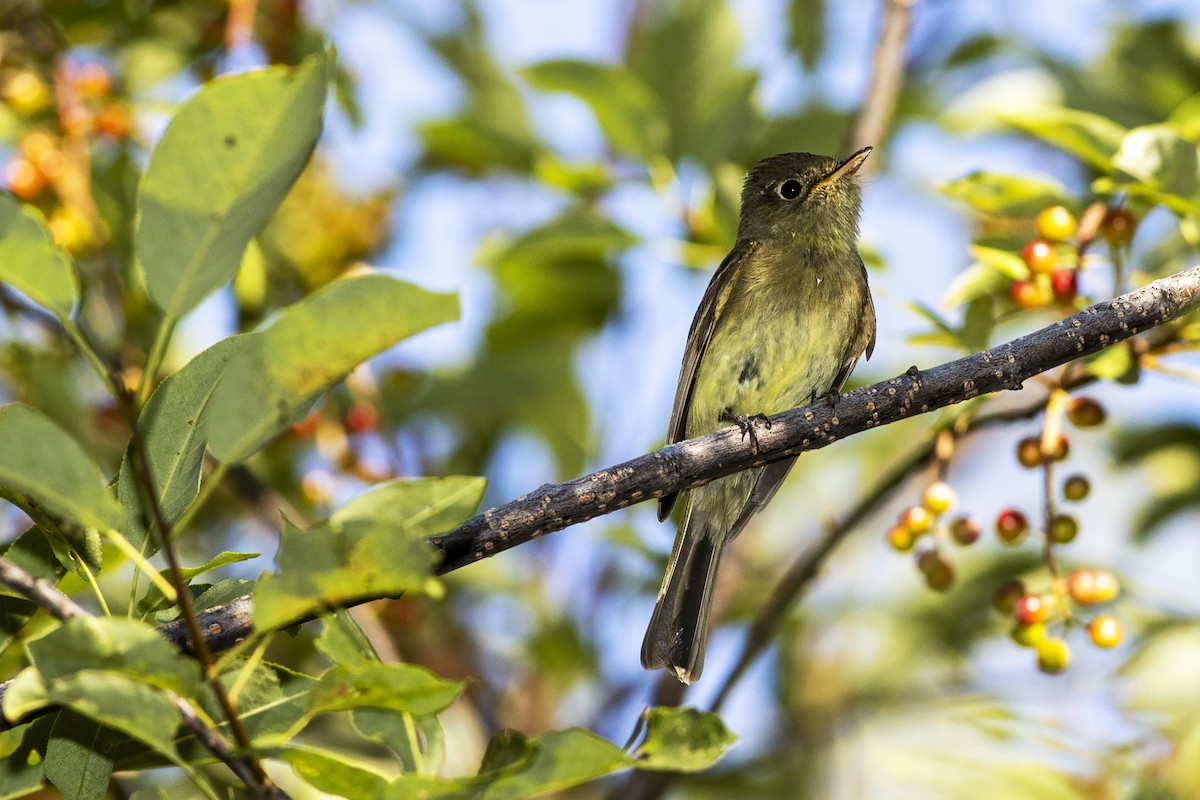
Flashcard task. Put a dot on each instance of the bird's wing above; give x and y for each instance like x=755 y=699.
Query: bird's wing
x=715 y=299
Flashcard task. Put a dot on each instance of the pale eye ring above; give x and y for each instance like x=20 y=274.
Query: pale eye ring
x=790 y=189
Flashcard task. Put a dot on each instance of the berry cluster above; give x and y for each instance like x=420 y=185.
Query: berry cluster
x=1053 y=256
x=52 y=151
x=1033 y=613
x=923 y=528
x=927 y=521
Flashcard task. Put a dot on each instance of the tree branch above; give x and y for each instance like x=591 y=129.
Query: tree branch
x=697 y=461
x=691 y=463
x=887 y=73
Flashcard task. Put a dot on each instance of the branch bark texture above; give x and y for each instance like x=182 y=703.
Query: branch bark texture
x=690 y=463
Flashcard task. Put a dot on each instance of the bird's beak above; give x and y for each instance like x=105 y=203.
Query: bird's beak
x=847 y=167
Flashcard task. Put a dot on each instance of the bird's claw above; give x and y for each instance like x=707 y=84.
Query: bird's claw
x=747 y=423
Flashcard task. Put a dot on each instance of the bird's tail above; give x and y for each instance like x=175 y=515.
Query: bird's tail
x=678 y=628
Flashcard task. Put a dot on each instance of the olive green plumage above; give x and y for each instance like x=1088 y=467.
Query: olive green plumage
x=782 y=323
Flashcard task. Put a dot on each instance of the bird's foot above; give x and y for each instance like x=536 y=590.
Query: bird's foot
x=747 y=424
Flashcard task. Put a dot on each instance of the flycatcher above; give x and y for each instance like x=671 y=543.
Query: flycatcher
x=782 y=323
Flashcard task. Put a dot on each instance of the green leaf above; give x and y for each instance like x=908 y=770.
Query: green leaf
x=221 y=169
x=977 y=280
x=246 y=389
x=806 y=30
x=125 y=704
x=1112 y=363
x=397 y=687
x=339 y=564
x=22 y=758
x=1185 y=119
x=682 y=740
x=342 y=641
x=1010 y=195
x=274 y=378
x=334 y=773
x=43 y=470
x=559 y=760
x=154 y=599
x=1010 y=265
x=1090 y=137
x=626 y=108
x=77 y=760
x=688 y=54
x=1159 y=157
x=31 y=552
x=30 y=261
x=416 y=506
x=390 y=728
x=113 y=644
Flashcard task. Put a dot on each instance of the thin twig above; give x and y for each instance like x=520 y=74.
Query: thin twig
x=40 y=592
x=887 y=73
x=43 y=594
x=261 y=785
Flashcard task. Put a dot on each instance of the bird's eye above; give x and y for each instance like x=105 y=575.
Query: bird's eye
x=790 y=190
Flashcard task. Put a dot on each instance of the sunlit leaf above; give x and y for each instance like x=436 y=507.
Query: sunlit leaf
x=1090 y=137
x=682 y=740
x=998 y=193
x=559 y=760
x=397 y=687
x=31 y=263
x=220 y=171
x=45 y=471
x=337 y=564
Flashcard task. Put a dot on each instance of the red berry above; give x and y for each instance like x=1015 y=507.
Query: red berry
x=1064 y=283
x=1053 y=655
x=1031 y=608
x=1105 y=631
x=1056 y=223
x=1040 y=257
x=1118 y=226
x=1086 y=412
x=1011 y=525
x=1076 y=487
x=1005 y=598
x=361 y=417
x=965 y=530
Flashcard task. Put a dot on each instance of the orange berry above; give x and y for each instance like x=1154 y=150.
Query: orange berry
x=1039 y=256
x=24 y=179
x=113 y=120
x=900 y=538
x=26 y=93
x=1105 y=631
x=1026 y=294
x=917 y=519
x=92 y=80
x=1031 y=608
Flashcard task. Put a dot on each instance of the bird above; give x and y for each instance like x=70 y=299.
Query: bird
x=783 y=322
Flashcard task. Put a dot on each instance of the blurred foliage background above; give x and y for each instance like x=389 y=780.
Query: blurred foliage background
x=573 y=170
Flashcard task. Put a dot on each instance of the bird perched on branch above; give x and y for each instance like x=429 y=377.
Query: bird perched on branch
x=782 y=323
